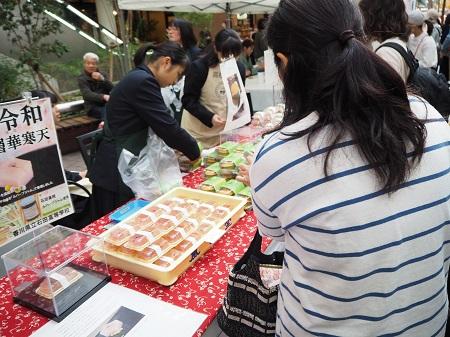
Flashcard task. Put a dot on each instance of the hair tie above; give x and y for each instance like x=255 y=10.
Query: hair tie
x=345 y=36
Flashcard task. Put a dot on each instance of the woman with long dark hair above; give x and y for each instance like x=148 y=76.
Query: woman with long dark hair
x=204 y=93
x=355 y=181
x=135 y=106
x=386 y=21
x=181 y=32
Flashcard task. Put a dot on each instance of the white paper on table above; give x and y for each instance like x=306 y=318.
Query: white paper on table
x=159 y=318
x=238 y=108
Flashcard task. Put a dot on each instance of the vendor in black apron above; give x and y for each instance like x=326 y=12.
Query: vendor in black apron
x=135 y=105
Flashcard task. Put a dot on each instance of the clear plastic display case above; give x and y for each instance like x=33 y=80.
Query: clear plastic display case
x=54 y=273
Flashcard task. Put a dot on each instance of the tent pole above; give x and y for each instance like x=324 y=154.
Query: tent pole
x=228 y=13
x=443 y=10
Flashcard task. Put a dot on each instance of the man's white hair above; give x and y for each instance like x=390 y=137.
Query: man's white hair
x=90 y=56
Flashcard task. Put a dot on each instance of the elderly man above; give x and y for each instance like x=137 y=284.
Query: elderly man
x=94 y=87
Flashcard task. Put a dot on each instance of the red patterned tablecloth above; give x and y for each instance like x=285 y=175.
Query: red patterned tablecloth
x=201 y=288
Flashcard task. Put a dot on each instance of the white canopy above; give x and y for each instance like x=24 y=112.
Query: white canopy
x=206 y=6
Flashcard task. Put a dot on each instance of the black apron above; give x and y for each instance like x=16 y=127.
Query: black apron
x=109 y=191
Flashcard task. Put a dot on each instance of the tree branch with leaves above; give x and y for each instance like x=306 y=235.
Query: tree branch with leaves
x=31 y=30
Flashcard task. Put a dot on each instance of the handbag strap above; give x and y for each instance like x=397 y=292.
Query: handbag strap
x=254 y=248
x=407 y=57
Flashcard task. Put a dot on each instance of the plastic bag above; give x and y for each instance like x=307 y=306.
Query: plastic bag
x=154 y=172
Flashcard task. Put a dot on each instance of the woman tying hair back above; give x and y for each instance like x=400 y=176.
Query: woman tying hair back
x=355 y=181
x=135 y=106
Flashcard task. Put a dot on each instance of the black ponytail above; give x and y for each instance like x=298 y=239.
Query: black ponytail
x=227 y=42
x=150 y=52
x=353 y=91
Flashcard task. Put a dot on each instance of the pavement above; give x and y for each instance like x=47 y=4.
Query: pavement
x=74 y=161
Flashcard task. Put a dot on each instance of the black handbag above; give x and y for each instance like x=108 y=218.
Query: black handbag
x=249 y=308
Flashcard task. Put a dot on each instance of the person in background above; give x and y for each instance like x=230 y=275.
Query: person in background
x=204 y=96
x=204 y=93
x=386 y=21
x=245 y=57
x=260 y=40
x=355 y=181
x=420 y=43
x=444 y=59
x=94 y=86
x=181 y=32
x=429 y=27
x=205 y=39
x=136 y=106
x=433 y=17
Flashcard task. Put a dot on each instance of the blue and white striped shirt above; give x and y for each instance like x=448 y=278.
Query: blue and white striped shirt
x=358 y=262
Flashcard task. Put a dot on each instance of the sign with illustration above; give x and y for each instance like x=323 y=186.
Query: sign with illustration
x=238 y=108
x=33 y=188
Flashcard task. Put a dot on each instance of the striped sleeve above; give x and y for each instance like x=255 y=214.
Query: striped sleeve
x=268 y=224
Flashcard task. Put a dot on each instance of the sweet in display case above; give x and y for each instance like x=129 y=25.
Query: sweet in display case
x=54 y=273
x=165 y=238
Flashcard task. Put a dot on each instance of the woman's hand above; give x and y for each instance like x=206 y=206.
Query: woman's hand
x=244 y=170
x=218 y=121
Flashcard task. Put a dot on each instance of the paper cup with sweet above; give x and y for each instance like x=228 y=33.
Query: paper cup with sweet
x=213 y=184
x=212 y=170
x=211 y=158
x=246 y=194
x=228 y=173
x=232 y=161
x=245 y=148
x=226 y=148
x=231 y=187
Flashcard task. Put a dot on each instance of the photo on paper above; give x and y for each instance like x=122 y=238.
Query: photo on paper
x=119 y=324
x=238 y=108
x=236 y=96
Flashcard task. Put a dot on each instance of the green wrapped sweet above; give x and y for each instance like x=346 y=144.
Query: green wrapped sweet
x=245 y=148
x=212 y=170
x=213 y=184
x=231 y=187
x=232 y=161
x=226 y=148
x=247 y=194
